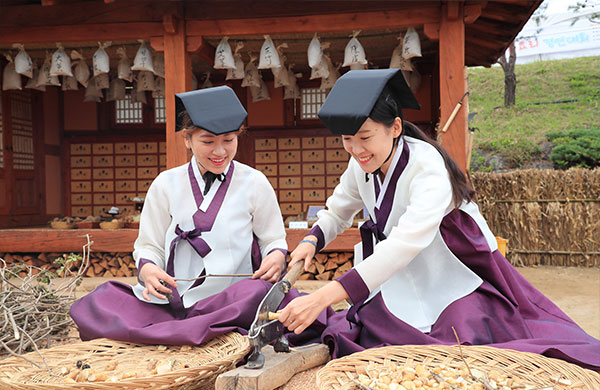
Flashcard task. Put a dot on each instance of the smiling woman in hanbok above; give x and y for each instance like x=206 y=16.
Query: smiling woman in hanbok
x=427 y=263
x=212 y=215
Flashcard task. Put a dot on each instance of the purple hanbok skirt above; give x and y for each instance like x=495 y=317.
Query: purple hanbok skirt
x=114 y=312
x=506 y=311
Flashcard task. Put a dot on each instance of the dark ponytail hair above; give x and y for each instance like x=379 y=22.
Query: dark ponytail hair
x=386 y=110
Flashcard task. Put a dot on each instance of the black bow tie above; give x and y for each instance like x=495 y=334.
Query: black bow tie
x=209 y=179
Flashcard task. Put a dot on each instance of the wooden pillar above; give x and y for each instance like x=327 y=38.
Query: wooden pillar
x=452 y=80
x=178 y=78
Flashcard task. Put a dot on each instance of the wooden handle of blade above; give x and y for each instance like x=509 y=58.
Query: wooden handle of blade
x=294 y=272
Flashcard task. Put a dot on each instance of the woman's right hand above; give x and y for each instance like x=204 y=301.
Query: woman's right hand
x=151 y=275
x=304 y=251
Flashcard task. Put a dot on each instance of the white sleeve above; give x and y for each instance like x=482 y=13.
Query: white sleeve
x=342 y=206
x=430 y=195
x=154 y=222
x=267 y=222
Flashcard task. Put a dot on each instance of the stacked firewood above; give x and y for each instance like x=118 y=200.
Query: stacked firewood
x=102 y=264
x=328 y=266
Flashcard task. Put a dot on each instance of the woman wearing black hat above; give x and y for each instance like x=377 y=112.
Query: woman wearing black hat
x=211 y=216
x=427 y=263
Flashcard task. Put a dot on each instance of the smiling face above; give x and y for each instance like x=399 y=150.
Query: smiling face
x=213 y=152
x=372 y=144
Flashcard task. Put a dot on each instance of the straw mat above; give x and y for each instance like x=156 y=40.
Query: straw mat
x=121 y=365
x=535 y=370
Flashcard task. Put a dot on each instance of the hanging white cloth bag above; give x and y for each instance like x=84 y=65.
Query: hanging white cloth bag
x=145 y=81
x=159 y=64
x=260 y=93
x=292 y=91
x=354 y=53
x=61 y=63
x=269 y=58
x=223 y=56
x=116 y=90
x=32 y=83
x=100 y=60
x=315 y=52
x=44 y=77
x=81 y=71
x=92 y=94
x=334 y=74
x=23 y=63
x=411 y=45
x=124 y=71
x=251 y=75
x=143 y=58
x=159 y=87
x=102 y=81
x=397 y=61
x=236 y=73
x=10 y=78
x=69 y=83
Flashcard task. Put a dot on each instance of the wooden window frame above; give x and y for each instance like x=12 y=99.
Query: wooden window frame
x=147 y=117
x=298 y=102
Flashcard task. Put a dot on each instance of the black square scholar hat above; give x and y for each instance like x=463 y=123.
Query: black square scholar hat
x=217 y=110
x=353 y=96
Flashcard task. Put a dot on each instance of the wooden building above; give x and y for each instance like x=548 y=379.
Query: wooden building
x=63 y=156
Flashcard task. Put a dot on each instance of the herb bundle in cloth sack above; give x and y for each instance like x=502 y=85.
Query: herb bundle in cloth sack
x=211 y=216
x=427 y=262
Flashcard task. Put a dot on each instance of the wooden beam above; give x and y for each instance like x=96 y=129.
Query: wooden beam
x=432 y=31
x=481 y=42
x=170 y=23
x=452 y=84
x=80 y=32
x=452 y=9
x=427 y=13
x=109 y=1
x=178 y=78
x=472 y=13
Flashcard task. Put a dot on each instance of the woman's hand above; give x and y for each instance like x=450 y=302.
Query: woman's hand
x=300 y=313
x=304 y=251
x=271 y=267
x=151 y=275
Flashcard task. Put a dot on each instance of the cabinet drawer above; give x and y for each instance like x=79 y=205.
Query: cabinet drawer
x=273 y=181
x=104 y=199
x=162 y=147
x=147 y=173
x=337 y=155
x=289 y=169
x=81 y=174
x=123 y=197
x=125 y=161
x=289 y=182
x=126 y=209
x=125 y=185
x=125 y=147
x=143 y=185
x=162 y=160
x=313 y=195
x=332 y=181
x=81 y=186
x=289 y=156
x=289 y=143
x=329 y=192
x=125 y=173
x=77 y=199
x=102 y=148
x=290 y=195
x=268 y=170
x=313 y=181
x=147 y=160
x=313 y=143
x=101 y=210
x=291 y=208
x=81 y=161
x=147 y=147
x=334 y=142
x=266 y=157
x=84 y=149
x=265 y=144
x=313 y=169
x=104 y=186
x=103 y=161
x=312 y=155
x=81 y=211
x=102 y=173
x=335 y=168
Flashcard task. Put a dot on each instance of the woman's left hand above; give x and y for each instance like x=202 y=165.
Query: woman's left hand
x=301 y=312
x=271 y=267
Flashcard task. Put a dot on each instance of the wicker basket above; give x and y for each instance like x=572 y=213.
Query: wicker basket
x=111 y=225
x=62 y=225
x=199 y=366
x=531 y=368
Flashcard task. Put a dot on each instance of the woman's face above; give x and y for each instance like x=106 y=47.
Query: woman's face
x=372 y=144
x=213 y=152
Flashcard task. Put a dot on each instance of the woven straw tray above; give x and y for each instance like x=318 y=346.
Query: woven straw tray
x=533 y=369
x=187 y=367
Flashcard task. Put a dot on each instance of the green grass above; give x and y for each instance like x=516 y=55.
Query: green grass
x=516 y=133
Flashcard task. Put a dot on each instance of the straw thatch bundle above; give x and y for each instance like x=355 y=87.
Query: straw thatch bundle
x=549 y=217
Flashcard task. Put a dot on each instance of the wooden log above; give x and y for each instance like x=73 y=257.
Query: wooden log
x=277 y=371
x=342 y=269
x=90 y=273
x=324 y=276
x=108 y=274
x=341 y=258
x=330 y=265
x=320 y=268
x=321 y=258
x=306 y=276
x=313 y=268
x=97 y=268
